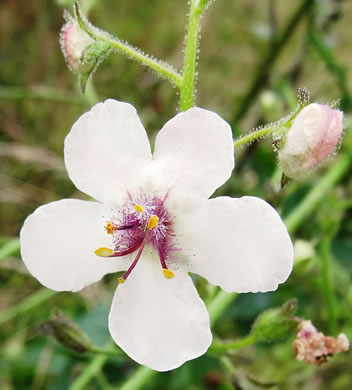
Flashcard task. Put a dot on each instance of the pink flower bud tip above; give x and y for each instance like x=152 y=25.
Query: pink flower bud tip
x=313 y=137
x=74 y=41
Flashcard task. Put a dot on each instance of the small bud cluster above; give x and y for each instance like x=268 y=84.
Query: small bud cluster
x=314 y=347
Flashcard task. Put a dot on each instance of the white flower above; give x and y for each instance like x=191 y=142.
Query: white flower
x=156 y=210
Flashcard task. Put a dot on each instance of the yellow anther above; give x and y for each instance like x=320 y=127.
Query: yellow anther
x=168 y=274
x=104 y=252
x=139 y=208
x=110 y=227
x=153 y=222
x=121 y=280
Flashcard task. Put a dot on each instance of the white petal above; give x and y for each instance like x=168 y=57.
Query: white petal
x=106 y=149
x=195 y=152
x=242 y=245
x=58 y=242
x=158 y=322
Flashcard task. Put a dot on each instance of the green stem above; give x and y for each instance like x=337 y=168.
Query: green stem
x=159 y=67
x=203 y=4
x=27 y=305
x=91 y=370
x=139 y=379
x=108 y=352
x=328 y=282
x=317 y=193
x=249 y=138
x=219 y=348
x=218 y=305
x=189 y=67
x=10 y=248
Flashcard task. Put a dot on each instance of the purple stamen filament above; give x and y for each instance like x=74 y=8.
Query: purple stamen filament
x=126 y=274
x=127 y=251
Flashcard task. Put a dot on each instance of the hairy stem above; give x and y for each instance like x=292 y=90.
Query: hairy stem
x=189 y=67
x=248 y=138
x=160 y=67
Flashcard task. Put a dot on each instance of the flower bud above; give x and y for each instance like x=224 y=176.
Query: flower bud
x=66 y=332
x=74 y=41
x=313 y=137
x=276 y=324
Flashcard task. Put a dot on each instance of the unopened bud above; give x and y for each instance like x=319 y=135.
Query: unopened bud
x=74 y=41
x=66 y=332
x=82 y=49
x=276 y=324
x=313 y=137
x=314 y=347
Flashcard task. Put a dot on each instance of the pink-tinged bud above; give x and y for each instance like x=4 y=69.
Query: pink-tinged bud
x=313 y=137
x=74 y=41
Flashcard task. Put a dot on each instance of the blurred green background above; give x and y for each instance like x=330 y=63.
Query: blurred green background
x=254 y=55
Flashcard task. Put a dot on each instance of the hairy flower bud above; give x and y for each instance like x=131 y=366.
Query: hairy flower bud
x=74 y=41
x=276 y=324
x=313 y=137
x=67 y=333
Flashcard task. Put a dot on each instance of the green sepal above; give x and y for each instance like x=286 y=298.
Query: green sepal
x=276 y=324
x=92 y=57
x=67 y=333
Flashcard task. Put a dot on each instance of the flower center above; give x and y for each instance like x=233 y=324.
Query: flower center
x=140 y=221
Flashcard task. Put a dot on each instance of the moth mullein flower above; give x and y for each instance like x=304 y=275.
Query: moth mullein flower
x=313 y=137
x=153 y=221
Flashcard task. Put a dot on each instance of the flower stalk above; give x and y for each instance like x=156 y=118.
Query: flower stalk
x=254 y=135
x=189 y=67
x=197 y=8
x=219 y=348
x=161 y=68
